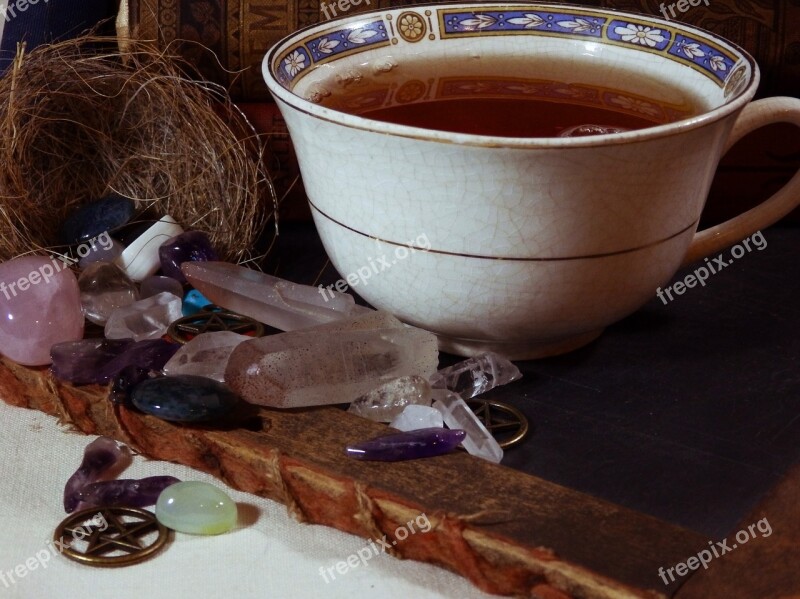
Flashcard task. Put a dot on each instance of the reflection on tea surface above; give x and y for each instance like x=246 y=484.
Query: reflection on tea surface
x=509 y=105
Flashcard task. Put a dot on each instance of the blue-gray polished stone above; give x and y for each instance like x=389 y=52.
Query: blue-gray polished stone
x=184 y=398
x=94 y=218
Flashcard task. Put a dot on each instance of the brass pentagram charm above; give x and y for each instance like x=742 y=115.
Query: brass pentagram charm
x=103 y=531
x=506 y=423
x=212 y=319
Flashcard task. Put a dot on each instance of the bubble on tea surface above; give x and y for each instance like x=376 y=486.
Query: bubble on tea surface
x=584 y=130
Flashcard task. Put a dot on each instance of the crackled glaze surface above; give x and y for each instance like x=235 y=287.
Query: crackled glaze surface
x=535 y=245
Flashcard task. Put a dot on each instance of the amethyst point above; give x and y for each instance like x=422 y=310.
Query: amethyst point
x=411 y=445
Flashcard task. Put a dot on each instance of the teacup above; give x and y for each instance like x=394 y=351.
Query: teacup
x=532 y=245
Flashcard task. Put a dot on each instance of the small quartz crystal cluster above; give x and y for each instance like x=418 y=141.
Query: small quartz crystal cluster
x=422 y=407
x=137 y=280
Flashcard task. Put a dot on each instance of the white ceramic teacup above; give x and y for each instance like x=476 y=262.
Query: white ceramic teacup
x=532 y=245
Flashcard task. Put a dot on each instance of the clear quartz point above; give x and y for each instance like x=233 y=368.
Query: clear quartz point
x=206 y=355
x=456 y=414
x=279 y=303
x=476 y=375
x=146 y=319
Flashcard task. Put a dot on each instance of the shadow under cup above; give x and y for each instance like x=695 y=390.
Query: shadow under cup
x=531 y=245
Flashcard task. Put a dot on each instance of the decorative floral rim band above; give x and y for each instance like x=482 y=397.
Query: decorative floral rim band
x=647 y=35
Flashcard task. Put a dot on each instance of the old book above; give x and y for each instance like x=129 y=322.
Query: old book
x=227 y=40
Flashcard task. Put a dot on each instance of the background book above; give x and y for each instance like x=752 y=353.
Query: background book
x=234 y=36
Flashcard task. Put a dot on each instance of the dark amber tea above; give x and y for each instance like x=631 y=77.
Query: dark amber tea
x=533 y=102
x=506 y=117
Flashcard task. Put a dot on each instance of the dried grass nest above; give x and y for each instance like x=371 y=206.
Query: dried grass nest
x=79 y=120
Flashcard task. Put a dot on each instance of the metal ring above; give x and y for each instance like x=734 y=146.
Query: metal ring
x=104 y=531
x=488 y=410
x=185 y=329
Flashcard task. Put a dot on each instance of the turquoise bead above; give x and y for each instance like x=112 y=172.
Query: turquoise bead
x=194 y=302
x=196 y=508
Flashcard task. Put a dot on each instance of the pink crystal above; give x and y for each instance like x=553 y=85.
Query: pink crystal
x=40 y=305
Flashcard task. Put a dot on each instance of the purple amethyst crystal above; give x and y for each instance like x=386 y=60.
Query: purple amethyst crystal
x=102 y=457
x=78 y=362
x=422 y=443
x=94 y=361
x=124 y=492
x=192 y=246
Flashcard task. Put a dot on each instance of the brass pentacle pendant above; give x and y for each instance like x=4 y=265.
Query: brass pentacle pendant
x=505 y=422
x=110 y=537
x=211 y=320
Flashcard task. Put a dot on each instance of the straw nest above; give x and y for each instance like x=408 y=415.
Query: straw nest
x=78 y=122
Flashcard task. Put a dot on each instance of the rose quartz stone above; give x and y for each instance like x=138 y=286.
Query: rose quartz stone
x=40 y=305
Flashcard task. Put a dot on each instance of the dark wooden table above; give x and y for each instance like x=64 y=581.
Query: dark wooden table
x=688 y=412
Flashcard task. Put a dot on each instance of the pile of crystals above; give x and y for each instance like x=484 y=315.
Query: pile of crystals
x=415 y=404
x=191 y=507
x=332 y=351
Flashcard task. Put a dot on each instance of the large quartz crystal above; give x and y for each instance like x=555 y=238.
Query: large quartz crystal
x=476 y=375
x=456 y=414
x=411 y=445
x=146 y=319
x=328 y=364
x=281 y=304
x=206 y=355
x=384 y=403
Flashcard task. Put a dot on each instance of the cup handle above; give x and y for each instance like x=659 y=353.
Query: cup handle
x=714 y=239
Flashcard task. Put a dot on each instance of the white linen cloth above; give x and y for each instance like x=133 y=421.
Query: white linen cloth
x=269 y=556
